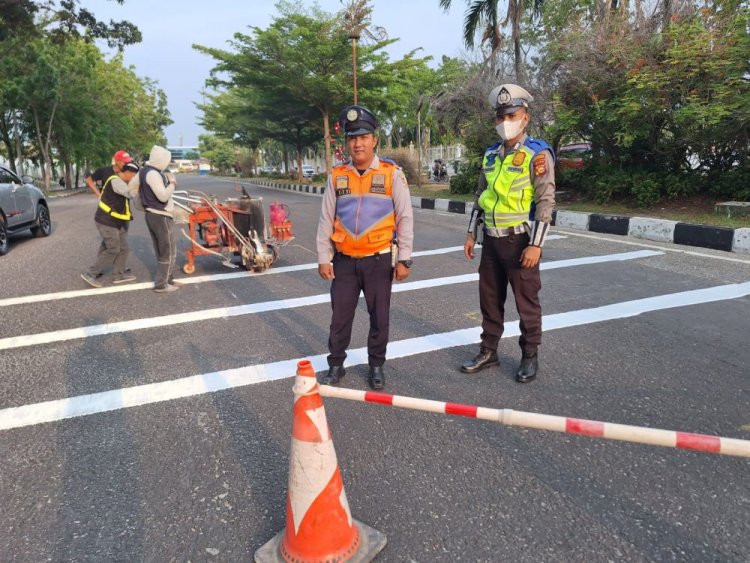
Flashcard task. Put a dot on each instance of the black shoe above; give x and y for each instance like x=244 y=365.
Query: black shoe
x=334 y=375
x=484 y=359
x=528 y=368
x=376 y=378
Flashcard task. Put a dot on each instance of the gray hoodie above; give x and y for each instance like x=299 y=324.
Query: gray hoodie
x=160 y=159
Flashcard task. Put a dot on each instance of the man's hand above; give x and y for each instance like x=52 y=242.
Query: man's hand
x=92 y=186
x=469 y=247
x=401 y=272
x=530 y=257
x=326 y=271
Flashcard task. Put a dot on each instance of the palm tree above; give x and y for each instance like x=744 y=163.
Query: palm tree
x=484 y=14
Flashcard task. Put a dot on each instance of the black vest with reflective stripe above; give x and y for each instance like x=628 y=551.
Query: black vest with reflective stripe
x=113 y=210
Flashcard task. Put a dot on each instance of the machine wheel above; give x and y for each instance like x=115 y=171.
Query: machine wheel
x=43 y=226
x=189 y=268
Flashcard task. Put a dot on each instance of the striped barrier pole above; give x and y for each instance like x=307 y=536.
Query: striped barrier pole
x=509 y=417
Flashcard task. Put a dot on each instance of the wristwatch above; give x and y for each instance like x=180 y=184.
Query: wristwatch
x=406 y=263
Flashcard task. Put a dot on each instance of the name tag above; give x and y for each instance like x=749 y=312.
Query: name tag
x=514 y=169
x=378 y=184
x=342 y=191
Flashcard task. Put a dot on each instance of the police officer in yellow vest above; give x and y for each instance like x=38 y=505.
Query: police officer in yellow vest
x=112 y=218
x=515 y=199
x=364 y=242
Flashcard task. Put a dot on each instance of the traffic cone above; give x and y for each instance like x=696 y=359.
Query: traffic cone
x=319 y=525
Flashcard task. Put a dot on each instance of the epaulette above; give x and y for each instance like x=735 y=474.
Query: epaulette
x=492 y=148
x=389 y=161
x=538 y=145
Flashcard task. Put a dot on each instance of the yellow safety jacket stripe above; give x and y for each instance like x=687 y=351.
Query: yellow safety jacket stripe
x=107 y=209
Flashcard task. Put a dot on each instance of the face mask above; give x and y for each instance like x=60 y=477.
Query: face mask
x=509 y=129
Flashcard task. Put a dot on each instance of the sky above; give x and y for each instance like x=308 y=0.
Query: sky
x=171 y=27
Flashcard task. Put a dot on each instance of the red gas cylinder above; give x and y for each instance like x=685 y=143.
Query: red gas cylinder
x=281 y=227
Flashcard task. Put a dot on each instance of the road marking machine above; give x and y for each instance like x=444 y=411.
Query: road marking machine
x=234 y=227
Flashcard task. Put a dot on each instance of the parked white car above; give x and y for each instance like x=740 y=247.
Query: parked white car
x=22 y=206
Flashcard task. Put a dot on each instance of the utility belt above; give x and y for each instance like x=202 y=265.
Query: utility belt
x=378 y=253
x=495 y=232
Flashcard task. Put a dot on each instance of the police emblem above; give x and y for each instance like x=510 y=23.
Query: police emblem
x=352 y=115
x=342 y=182
x=540 y=164
x=519 y=158
x=503 y=98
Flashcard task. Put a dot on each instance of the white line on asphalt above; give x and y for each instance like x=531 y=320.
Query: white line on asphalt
x=620 y=240
x=252 y=308
x=83 y=405
x=95 y=292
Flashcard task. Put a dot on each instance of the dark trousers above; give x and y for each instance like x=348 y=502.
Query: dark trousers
x=498 y=266
x=163 y=235
x=113 y=250
x=373 y=276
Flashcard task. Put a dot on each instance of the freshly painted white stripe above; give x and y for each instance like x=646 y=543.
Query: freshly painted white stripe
x=93 y=292
x=50 y=411
x=620 y=240
x=253 y=308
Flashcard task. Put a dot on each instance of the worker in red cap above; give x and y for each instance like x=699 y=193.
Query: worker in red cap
x=100 y=175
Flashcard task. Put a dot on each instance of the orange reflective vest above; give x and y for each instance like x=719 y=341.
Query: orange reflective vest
x=365 y=221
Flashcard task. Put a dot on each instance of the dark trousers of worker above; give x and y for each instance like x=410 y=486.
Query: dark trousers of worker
x=163 y=235
x=500 y=265
x=373 y=276
x=113 y=250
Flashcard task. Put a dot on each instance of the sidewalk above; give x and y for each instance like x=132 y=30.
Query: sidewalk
x=660 y=230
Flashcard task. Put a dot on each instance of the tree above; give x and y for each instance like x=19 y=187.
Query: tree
x=301 y=62
x=483 y=15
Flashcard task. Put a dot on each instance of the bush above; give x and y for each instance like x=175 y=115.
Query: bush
x=465 y=180
x=406 y=159
x=646 y=188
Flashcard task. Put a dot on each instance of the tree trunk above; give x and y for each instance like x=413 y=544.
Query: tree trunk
x=327 y=140
x=8 y=142
x=45 y=145
x=299 y=161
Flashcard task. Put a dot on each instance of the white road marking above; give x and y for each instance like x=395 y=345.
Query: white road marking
x=657 y=247
x=83 y=405
x=95 y=292
x=253 y=308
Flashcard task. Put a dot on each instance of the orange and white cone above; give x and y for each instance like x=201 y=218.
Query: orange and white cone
x=319 y=525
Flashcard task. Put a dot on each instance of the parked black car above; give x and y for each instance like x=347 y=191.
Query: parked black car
x=22 y=206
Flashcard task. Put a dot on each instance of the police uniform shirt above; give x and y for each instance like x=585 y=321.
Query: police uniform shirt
x=401 y=207
x=542 y=178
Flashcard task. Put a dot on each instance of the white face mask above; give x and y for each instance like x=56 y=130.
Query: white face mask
x=509 y=129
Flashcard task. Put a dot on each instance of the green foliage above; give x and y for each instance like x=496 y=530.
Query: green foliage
x=465 y=181
x=220 y=152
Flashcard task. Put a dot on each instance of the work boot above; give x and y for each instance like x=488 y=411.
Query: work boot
x=334 y=375
x=123 y=278
x=528 y=368
x=376 y=378
x=484 y=359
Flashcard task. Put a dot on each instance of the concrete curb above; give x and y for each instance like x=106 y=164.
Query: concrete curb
x=660 y=230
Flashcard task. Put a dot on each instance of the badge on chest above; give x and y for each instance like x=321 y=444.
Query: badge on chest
x=377 y=186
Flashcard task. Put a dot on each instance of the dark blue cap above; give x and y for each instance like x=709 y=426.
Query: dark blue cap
x=357 y=120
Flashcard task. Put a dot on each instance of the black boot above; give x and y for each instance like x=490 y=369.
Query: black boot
x=335 y=373
x=528 y=368
x=376 y=378
x=485 y=358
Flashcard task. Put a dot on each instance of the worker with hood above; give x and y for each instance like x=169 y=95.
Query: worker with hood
x=155 y=192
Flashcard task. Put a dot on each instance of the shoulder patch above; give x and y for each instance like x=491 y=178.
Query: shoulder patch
x=540 y=164
x=388 y=161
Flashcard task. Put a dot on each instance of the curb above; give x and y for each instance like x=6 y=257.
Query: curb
x=54 y=194
x=726 y=239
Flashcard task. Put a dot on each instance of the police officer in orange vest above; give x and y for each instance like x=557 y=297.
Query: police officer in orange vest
x=364 y=242
x=515 y=199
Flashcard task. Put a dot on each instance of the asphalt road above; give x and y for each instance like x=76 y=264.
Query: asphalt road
x=203 y=477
